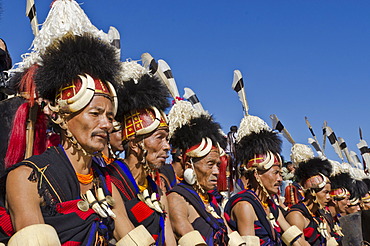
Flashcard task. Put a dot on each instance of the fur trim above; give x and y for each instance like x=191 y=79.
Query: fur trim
x=251 y=124
x=258 y=143
x=341 y=180
x=359 y=189
x=198 y=128
x=311 y=168
x=300 y=153
x=70 y=56
x=367 y=182
x=180 y=114
x=65 y=16
x=132 y=70
x=145 y=93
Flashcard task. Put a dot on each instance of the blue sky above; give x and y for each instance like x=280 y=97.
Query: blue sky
x=298 y=58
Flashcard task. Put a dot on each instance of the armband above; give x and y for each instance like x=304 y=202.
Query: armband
x=35 y=235
x=251 y=240
x=331 y=242
x=137 y=236
x=192 y=238
x=235 y=239
x=291 y=235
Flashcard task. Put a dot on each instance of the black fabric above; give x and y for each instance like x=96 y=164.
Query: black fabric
x=138 y=212
x=213 y=230
x=311 y=233
x=249 y=196
x=60 y=189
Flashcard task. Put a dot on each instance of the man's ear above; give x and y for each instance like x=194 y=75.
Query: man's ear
x=188 y=164
x=134 y=146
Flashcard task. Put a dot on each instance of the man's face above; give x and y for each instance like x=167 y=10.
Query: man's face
x=207 y=170
x=157 y=147
x=323 y=195
x=271 y=179
x=366 y=204
x=341 y=205
x=353 y=208
x=115 y=140
x=290 y=167
x=91 y=125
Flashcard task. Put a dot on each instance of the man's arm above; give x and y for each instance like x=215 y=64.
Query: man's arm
x=297 y=219
x=22 y=198
x=243 y=213
x=179 y=213
x=123 y=224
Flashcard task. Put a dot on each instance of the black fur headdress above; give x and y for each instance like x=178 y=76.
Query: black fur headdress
x=73 y=55
x=341 y=180
x=198 y=128
x=146 y=92
x=312 y=167
x=258 y=143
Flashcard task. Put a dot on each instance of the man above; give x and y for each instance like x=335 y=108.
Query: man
x=62 y=196
x=309 y=215
x=142 y=100
x=194 y=212
x=340 y=186
x=365 y=200
x=63 y=187
x=253 y=212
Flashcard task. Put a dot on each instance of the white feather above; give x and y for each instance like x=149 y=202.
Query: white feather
x=189 y=93
x=163 y=67
x=242 y=97
x=285 y=132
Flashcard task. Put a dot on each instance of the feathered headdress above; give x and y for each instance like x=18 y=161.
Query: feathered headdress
x=257 y=146
x=142 y=101
x=313 y=173
x=341 y=184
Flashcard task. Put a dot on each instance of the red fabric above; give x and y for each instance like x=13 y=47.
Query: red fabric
x=221 y=180
x=71 y=243
x=53 y=140
x=71 y=207
x=141 y=211
x=308 y=232
x=27 y=84
x=17 y=140
x=39 y=144
x=6 y=222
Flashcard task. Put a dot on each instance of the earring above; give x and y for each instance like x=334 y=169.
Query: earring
x=189 y=176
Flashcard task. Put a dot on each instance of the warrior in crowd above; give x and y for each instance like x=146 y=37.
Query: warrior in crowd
x=142 y=100
x=79 y=192
x=308 y=215
x=253 y=212
x=194 y=212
